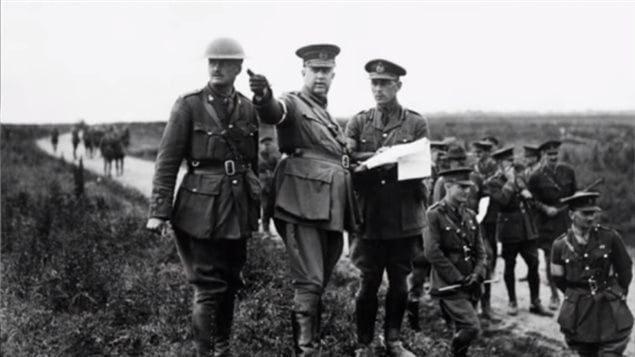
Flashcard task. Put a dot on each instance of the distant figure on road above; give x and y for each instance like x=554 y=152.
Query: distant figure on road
x=89 y=144
x=55 y=136
x=107 y=147
x=591 y=265
x=75 y=140
x=215 y=130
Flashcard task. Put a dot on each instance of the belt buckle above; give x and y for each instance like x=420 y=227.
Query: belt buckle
x=195 y=163
x=230 y=167
x=593 y=286
x=346 y=161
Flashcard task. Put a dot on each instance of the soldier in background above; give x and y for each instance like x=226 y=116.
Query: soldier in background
x=107 y=147
x=392 y=210
x=548 y=184
x=455 y=249
x=87 y=138
x=515 y=229
x=267 y=161
x=55 y=136
x=75 y=140
x=215 y=130
x=314 y=195
x=591 y=266
x=484 y=169
x=531 y=161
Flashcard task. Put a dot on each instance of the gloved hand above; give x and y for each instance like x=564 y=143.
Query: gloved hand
x=471 y=280
x=258 y=84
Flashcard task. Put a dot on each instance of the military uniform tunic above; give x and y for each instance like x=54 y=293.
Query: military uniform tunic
x=548 y=187
x=391 y=208
x=211 y=202
x=597 y=277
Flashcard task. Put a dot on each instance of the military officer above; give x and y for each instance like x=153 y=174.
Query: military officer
x=590 y=264
x=392 y=211
x=314 y=195
x=455 y=157
x=75 y=140
x=515 y=230
x=548 y=184
x=532 y=160
x=484 y=168
x=455 y=249
x=215 y=130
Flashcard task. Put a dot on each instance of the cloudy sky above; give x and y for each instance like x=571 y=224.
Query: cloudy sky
x=128 y=61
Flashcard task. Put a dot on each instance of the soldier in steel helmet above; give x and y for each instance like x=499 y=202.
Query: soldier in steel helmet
x=591 y=266
x=215 y=131
x=314 y=196
x=392 y=210
x=455 y=249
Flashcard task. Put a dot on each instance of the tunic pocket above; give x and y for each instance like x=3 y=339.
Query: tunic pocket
x=195 y=203
x=305 y=190
x=567 y=319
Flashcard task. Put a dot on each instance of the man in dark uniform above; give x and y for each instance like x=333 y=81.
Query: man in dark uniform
x=313 y=188
x=551 y=182
x=531 y=163
x=392 y=210
x=268 y=159
x=515 y=229
x=455 y=156
x=591 y=265
x=454 y=247
x=215 y=130
x=484 y=168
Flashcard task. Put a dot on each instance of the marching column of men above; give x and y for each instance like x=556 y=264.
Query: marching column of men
x=320 y=187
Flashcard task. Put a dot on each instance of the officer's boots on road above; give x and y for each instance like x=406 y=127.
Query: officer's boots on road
x=212 y=328
x=224 y=320
x=306 y=333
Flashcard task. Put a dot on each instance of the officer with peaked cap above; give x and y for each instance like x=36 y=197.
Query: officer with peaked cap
x=515 y=229
x=314 y=196
x=392 y=210
x=215 y=131
x=551 y=182
x=455 y=249
x=532 y=160
x=592 y=267
x=484 y=169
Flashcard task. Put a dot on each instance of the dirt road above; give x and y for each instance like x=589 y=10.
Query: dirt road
x=138 y=175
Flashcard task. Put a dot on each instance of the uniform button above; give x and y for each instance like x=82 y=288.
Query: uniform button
x=194 y=190
x=383 y=182
x=230 y=126
x=606 y=255
x=586 y=255
x=586 y=268
x=235 y=182
x=566 y=261
x=209 y=133
x=384 y=135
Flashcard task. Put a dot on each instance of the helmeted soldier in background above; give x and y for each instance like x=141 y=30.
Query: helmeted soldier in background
x=515 y=229
x=551 y=182
x=215 y=130
x=55 y=137
x=455 y=249
x=591 y=265
x=314 y=194
x=392 y=210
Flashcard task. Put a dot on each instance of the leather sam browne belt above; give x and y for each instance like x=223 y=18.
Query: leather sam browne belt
x=215 y=167
x=343 y=160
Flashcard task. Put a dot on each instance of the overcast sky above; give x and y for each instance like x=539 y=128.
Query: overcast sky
x=128 y=61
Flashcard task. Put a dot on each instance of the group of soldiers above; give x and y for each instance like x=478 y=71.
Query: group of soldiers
x=110 y=141
x=321 y=187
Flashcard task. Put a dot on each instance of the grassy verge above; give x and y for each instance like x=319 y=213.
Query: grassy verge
x=81 y=277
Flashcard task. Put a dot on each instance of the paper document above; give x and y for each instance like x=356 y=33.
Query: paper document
x=482 y=208
x=413 y=159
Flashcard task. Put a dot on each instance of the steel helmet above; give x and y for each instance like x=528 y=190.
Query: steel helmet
x=224 y=48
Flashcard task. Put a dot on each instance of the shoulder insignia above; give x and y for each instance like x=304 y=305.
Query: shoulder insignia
x=470 y=212
x=435 y=206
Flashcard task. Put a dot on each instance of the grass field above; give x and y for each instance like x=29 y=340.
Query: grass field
x=81 y=277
